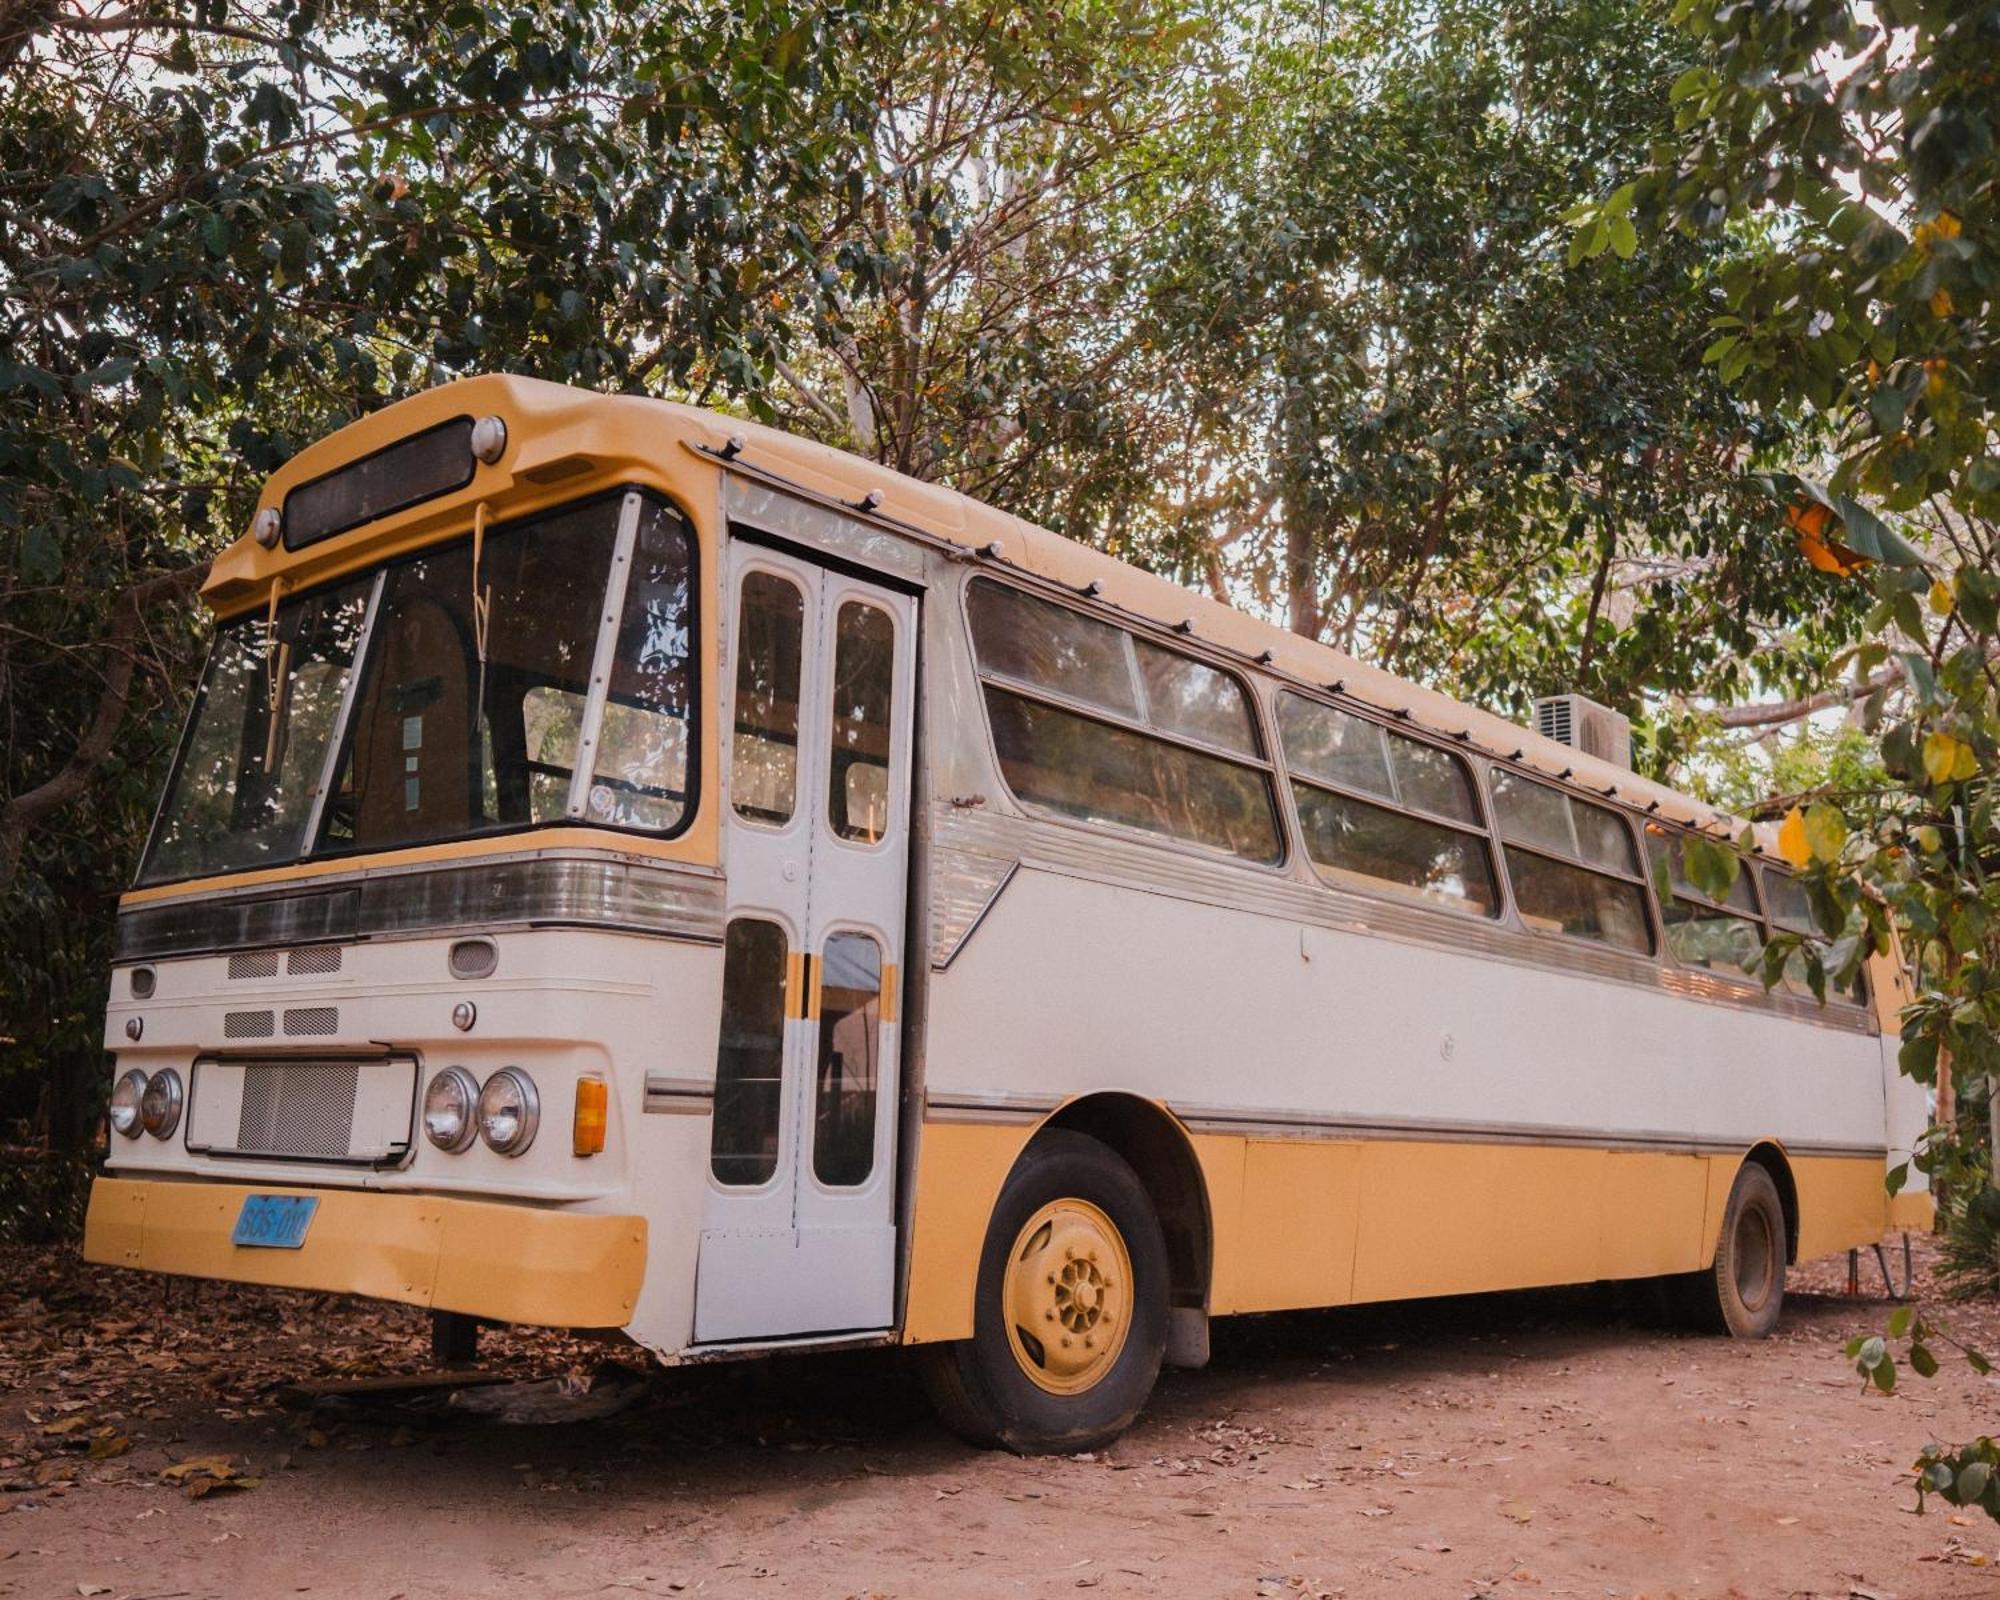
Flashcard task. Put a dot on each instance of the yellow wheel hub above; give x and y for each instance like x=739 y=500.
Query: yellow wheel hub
x=1067 y=1296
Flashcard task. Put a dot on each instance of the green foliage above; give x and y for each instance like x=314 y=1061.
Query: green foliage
x=1862 y=144
x=1419 y=434
x=222 y=236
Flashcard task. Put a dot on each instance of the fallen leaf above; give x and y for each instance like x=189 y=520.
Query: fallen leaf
x=210 y=1466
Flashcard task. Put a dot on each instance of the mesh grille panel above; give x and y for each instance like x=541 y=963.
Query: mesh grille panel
x=313 y=959
x=248 y=1024
x=298 y=1108
x=254 y=964
x=312 y=1021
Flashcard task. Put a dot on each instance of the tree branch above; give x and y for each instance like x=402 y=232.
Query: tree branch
x=22 y=812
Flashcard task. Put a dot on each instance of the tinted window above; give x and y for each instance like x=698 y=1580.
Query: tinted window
x=244 y=787
x=1099 y=773
x=1535 y=814
x=1666 y=849
x=1555 y=897
x=848 y=1072
x=1096 y=772
x=1351 y=752
x=1725 y=937
x=750 y=1058
x=1357 y=845
x=1791 y=907
x=1185 y=697
x=1052 y=647
x=1700 y=935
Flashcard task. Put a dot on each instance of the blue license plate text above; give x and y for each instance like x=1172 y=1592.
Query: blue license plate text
x=274 y=1221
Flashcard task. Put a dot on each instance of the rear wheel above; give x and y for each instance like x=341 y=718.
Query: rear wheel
x=1743 y=1292
x=1070 y=1311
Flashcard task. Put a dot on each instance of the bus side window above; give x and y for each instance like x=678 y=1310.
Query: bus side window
x=1416 y=835
x=750 y=1057
x=1573 y=865
x=1722 y=936
x=1792 y=912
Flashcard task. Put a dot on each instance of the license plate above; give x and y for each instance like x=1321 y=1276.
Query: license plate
x=274 y=1221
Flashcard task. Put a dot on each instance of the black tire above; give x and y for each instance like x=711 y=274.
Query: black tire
x=1742 y=1293
x=981 y=1387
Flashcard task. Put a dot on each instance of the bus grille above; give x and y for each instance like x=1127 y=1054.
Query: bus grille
x=298 y=1108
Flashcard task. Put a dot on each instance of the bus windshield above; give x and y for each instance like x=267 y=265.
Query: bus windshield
x=430 y=703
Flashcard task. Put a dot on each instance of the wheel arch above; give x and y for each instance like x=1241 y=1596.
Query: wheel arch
x=1771 y=1156
x=1155 y=1143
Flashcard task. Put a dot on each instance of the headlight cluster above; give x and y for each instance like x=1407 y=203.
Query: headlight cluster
x=505 y=1113
x=151 y=1105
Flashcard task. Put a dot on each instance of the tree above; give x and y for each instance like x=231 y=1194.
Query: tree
x=1411 y=430
x=225 y=234
x=1861 y=144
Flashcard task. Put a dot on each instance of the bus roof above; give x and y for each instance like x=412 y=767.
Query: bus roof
x=562 y=438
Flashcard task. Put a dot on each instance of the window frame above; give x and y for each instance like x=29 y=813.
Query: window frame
x=1655 y=939
x=1265 y=762
x=1484 y=831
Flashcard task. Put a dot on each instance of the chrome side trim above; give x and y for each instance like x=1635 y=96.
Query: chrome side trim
x=964 y=887
x=588 y=889
x=1330 y=1127
x=1259 y=1122
x=988 y=1107
x=678 y=1096
x=1077 y=850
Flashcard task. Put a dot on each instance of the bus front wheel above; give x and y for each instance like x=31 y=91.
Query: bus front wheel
x=1070 y=1311
x=1742 y=1293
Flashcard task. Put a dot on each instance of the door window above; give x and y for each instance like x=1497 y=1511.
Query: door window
x=764 y=753
x=849 y=1065
x=750 y=1060
x=864 y=675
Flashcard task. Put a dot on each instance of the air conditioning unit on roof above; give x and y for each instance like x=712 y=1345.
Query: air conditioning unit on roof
x=1583 y=724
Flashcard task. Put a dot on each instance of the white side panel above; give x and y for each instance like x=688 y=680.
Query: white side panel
x=1070 y=985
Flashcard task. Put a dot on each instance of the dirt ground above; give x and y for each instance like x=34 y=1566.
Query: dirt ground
x=1531 y=1444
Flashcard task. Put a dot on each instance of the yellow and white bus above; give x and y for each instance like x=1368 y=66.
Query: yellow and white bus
x=629 y=869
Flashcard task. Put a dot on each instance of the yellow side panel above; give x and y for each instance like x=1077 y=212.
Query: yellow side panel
x=1456 y=1219
x=1221 y=1159
x=960 y=1167
x=1296 y=1244
x=1650 y=1214
x=1842 y=1203
x=1912 y=1211
x=1721 y=1178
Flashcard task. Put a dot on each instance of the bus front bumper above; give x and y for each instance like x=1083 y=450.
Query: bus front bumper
x=508 y=1262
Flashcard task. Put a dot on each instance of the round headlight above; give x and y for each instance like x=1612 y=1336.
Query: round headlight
x=125 y=1096
x=448 y=1102
x=160 y=1105
x=509 y=1111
